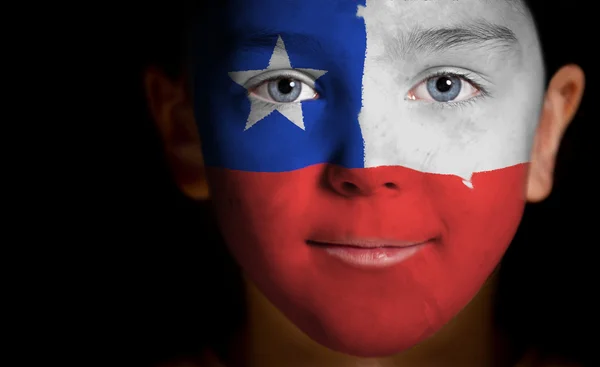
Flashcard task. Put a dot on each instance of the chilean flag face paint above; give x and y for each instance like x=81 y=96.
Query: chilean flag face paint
x=368 y=173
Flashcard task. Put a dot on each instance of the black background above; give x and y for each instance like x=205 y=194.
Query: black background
x=161 y=284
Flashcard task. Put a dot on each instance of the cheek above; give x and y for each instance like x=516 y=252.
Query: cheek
x=480 y=223
x=263 y=216
x=258 y=201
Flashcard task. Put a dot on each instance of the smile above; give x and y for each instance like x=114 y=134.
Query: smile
x=370 y=253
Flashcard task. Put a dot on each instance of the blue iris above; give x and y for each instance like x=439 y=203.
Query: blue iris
x=284 y=90
x=444 y=88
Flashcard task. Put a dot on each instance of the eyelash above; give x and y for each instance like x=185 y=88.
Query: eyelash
x=483 y=92
x=261 y=79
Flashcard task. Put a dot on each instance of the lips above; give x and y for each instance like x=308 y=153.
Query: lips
x=369 y=252
x=364 y=243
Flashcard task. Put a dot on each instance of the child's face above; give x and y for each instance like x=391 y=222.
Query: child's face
x=338 y=126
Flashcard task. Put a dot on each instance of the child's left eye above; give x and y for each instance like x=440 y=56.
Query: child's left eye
x=444 y=88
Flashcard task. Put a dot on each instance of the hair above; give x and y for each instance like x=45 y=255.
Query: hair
x=534 y=307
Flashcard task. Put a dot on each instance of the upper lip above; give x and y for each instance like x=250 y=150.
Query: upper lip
x=366 y=243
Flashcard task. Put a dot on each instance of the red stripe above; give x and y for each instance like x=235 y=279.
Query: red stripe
x=266 y=218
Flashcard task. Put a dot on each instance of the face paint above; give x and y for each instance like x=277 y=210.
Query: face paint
x=366 y=199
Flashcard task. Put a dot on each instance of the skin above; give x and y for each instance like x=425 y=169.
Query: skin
x=465 y=340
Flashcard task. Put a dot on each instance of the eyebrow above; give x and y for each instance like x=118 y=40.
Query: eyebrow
x=472 y=35
x=265 y=39
x=469 y=35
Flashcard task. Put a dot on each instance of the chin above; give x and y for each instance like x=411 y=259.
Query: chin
x=372 y=313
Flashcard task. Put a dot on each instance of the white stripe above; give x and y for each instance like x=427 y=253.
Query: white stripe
x=480 y=137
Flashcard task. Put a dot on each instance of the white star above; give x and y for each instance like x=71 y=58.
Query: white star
x=261 y=109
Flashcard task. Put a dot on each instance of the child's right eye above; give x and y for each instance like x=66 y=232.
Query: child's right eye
x=283 y=90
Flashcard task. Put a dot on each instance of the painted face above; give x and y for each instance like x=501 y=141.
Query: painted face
x=368 y=160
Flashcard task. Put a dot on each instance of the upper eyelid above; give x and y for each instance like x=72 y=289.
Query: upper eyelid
x=475 y=77
x=470 y=77
x=437 y=74
x=276 y=74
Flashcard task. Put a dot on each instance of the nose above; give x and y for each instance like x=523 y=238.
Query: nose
x=351 y=182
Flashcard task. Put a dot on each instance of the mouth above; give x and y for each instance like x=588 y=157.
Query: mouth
x=367 y=253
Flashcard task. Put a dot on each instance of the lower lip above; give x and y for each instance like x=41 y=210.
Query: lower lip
x=379 y=257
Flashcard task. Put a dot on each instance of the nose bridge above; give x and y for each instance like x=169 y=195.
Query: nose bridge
x=362 y=181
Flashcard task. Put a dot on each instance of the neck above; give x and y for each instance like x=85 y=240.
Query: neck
x=470 y=339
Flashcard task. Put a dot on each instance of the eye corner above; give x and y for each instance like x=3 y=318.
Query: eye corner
x=410 y=96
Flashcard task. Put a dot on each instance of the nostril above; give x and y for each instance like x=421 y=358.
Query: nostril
x=390 y=185
x=349 y=187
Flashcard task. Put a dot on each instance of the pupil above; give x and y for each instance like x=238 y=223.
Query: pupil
x=443 y=84
x=285 y=86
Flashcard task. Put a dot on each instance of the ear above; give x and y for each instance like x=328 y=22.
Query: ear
x=560 y=104
x=171 y=108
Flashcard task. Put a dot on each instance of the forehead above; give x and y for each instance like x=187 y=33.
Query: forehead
x=306 y=15
x=333 y=25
